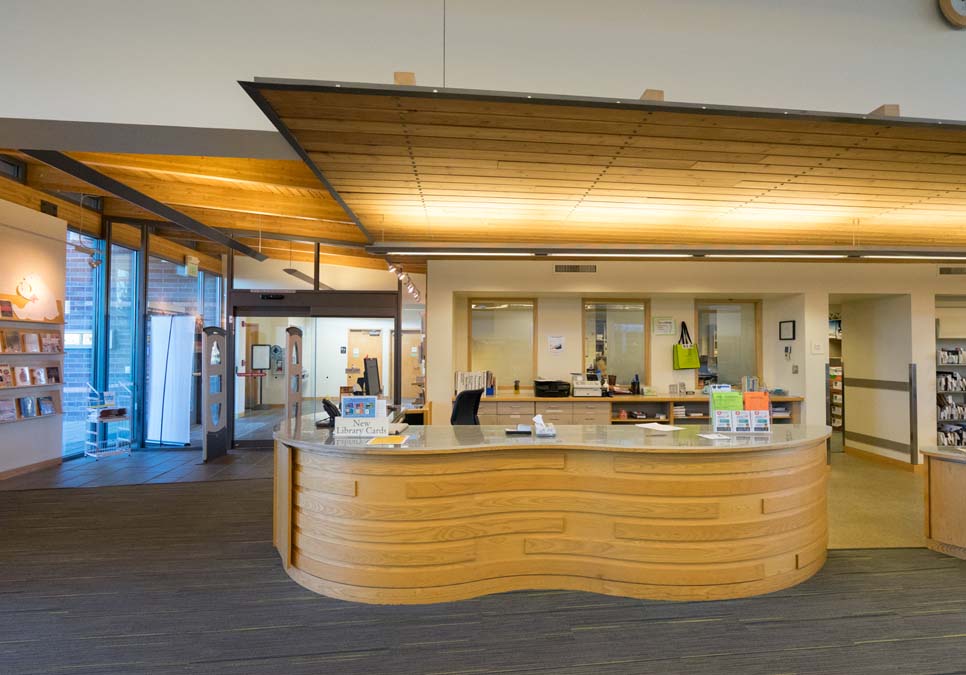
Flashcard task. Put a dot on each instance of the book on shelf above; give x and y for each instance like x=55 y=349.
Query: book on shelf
x=50 y=343
x=31 y=343
x=6 y=375
x=45 y=404
x=22 y=376
x=11 y=341
x=53 y=374
x=8 y=410
x=27 y=406
x=38 y=375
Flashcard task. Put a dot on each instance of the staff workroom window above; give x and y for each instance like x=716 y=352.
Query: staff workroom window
x=728 y=341
x=502 y=339
x=615 y=339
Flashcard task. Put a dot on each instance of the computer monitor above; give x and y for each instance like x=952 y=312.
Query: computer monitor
x=373 y=386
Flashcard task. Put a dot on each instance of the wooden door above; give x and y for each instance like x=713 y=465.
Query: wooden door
x=362 y=344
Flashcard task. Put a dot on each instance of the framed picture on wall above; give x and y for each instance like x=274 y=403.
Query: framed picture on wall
x=786 y=330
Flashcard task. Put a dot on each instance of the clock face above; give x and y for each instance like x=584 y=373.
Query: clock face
x=954 y=11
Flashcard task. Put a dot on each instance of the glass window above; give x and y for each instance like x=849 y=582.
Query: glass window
x=727 y=341
x=614 y=339
x=211 y=305
x=501 y=340
x=80 y=325
x=172 y=294
x=122 y=334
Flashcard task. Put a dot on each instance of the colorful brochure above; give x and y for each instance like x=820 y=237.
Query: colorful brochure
x=742 y=421
x=723 y=421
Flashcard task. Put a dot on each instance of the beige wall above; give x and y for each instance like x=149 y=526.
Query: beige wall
x=877 y=345
x=789 y=291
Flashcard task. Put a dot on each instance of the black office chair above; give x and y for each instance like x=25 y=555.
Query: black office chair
x=466 y=407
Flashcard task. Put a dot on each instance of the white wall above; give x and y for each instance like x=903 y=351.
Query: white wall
x=877 y=345
x=33 y=244
x=798 y=291
x=177 y=62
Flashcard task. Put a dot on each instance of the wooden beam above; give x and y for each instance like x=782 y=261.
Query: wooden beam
x=81 y=219
x=886 y=110
x=404 y=77
x=314 y=206
x=162 y=247
x=653 y=95
x=254 y=223
x=267 y=172
x=95 y=178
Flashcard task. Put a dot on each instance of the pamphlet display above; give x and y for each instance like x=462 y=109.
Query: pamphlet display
x=723 y=421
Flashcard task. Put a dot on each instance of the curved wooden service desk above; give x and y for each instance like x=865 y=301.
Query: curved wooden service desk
x=465 y=511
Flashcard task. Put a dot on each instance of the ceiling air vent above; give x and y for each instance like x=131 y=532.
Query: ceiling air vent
x=952 y=270
x=578 y=269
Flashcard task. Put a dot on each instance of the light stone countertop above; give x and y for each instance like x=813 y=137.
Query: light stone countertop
x=433 y=440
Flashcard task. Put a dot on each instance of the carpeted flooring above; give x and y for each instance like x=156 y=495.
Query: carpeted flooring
x=182 y=578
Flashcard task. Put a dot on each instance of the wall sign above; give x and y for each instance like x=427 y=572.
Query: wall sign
x=663 y=325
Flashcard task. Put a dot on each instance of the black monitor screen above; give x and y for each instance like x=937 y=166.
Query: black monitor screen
x=373 y=386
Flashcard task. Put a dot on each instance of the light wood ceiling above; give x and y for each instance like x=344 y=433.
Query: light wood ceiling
x=461 y=167
x=264 y=203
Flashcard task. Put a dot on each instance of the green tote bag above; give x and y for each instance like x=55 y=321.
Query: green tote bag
x=685 y=353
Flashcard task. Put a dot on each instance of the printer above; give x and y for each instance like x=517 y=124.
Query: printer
x=551 y=388
x=583 y=387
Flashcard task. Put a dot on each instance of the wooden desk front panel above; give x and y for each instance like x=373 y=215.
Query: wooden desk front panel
x=946 y=506
x=435 y=528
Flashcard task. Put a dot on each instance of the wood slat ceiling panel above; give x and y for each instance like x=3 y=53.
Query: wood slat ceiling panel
x=471 y=168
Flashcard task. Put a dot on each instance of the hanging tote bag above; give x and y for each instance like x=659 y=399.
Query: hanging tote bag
x=685 y=352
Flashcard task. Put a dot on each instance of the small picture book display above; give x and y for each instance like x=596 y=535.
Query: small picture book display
x=25 y=376
x=26 y=407
x=741 y=413
x=17 y=341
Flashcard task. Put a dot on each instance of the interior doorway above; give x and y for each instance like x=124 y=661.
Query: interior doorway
x=875 y=494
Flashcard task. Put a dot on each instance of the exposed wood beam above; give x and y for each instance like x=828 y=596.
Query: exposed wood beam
x=297 y=228
x=886 y=110
x=79 y=218
x=233 y=199
x=77 y=169
x=287 y=173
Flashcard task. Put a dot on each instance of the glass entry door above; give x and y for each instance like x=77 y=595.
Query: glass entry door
x=333 y=351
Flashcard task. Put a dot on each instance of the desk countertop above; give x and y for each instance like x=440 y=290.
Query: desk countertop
x=433 y=440
x=945 y=452
x=619 y=398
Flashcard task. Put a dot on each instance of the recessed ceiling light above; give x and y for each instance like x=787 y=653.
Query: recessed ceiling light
x=460 y=253
x=914 y=257
x=620 y=255
x=808 y=256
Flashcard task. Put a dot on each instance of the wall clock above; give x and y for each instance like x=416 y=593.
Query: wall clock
x=954 y=11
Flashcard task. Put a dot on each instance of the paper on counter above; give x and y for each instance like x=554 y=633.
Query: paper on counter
x=388 y=440
x=657 y=426
x=715 y=437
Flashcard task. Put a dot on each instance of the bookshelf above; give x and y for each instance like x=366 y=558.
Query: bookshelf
x=951 y=391
x=31 y=351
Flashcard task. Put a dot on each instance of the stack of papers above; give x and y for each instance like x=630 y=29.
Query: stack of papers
x=657 y=426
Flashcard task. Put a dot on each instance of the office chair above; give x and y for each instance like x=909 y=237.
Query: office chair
x=465 y=407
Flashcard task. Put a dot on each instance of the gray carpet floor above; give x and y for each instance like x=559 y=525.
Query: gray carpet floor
x=182 y=578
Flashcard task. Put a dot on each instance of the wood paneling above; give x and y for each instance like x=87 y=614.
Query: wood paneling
x=433 y=528
x=468 y=168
